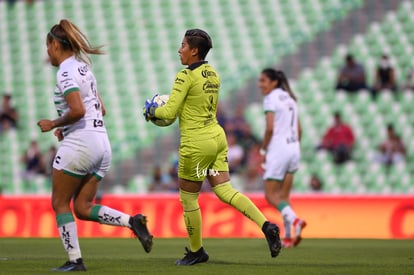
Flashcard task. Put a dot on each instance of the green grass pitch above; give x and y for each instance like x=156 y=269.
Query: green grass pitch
x=227 y=256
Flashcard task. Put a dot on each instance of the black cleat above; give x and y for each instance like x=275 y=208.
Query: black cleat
x=271 y=232
x=71 y=266
x=139 y=227
x=191 y=258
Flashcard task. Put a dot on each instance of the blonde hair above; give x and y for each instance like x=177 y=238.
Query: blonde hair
x=71 y=38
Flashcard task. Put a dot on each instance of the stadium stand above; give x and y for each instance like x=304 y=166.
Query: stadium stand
x=142 y=59
x=318 y=100
x=142 y=39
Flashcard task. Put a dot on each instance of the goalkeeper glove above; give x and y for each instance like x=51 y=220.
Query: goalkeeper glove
x=149 y=108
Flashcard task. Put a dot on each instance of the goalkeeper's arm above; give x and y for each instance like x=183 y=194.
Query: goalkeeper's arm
x=178 y=94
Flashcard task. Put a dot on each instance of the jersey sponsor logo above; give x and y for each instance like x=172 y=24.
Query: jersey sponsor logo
x=64 y=80
x=57 y=159
x=98 y=123
x=208 y=121
x=207 y=73
x=201 y=173
x=83 y=70
x=67 y=85
x=65 y=74
x=283 y=97
x=210 y=87
x=179 y=80
x=291 y=139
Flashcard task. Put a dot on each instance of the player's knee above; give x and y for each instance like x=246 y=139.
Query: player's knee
x=225 y=192
x=188 y=200
x=272 y=198
x=81 y=211
x=60 y=206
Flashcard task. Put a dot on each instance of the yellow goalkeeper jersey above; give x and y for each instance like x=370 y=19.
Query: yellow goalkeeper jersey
x=193 y=99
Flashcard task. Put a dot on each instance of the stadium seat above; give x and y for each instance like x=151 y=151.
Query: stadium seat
x=142 y=38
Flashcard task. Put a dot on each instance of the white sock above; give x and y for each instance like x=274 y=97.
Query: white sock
x=111 y=216
x=287 y=226
x=69 y=236
x=288 y=212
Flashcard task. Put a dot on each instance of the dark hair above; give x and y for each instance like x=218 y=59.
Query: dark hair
x=282 y=81
x=349 y=57
x=71 y=38
x=337 y=114
x=199 y=39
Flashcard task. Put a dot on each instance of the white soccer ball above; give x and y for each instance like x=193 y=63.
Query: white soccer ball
x=161 y=100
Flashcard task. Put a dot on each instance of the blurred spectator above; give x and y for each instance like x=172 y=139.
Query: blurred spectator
x=392 y=150
x=237 y=125
x=351 y=76
x=173 y=174
x=409 y=84
x=315 y=183
x=159 y=181
x=33 y=160
x=384 y=77
x=235 y=153
x=8 y=114
x=221 y=116
x=50 y=157
x=11 y=2
x=339 y=140
x=247 y=141
x=254 y=169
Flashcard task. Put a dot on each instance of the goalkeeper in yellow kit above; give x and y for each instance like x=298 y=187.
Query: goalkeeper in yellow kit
x=203 y=146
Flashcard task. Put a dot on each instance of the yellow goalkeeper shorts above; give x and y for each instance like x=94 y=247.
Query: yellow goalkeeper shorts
x=202 y=158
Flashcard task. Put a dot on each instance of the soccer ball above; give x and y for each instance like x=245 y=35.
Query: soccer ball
x=161 y=100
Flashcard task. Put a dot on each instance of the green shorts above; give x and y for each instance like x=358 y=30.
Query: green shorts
x=202 y=158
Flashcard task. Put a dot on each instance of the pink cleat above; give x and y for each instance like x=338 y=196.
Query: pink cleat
x=298 y=225
x=287 y=243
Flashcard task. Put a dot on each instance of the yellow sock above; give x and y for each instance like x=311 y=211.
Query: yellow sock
x=192 y=218
x=231 y=196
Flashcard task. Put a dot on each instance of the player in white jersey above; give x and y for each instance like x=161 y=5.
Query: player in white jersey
x=85 y=152
x=281 y=148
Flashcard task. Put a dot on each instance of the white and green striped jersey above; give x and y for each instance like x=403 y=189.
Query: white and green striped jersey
x=74 y=75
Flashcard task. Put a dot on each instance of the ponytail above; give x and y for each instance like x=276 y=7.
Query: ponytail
x=71 y=38
x=282 y=81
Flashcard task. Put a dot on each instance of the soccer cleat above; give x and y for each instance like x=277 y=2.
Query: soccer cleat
x=71 y=266
x=191 y=258
x=271 y=232
x=299 y=225
x=139 y=227
x=287 y=243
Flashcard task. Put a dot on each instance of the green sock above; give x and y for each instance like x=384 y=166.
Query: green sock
x=282 y=205
x=231 y=196
x=94 y=216
x=192 y=218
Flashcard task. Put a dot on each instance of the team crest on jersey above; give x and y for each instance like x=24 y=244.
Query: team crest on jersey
x=83 y=70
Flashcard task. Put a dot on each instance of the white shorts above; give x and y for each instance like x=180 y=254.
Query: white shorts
x=281 y=160
x=84 y=152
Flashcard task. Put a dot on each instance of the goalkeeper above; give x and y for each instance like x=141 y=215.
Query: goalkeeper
x=203 y=146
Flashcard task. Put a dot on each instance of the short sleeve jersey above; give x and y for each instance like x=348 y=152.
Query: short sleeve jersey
x=194 y=98
x=74 y=75
x=285 y=128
